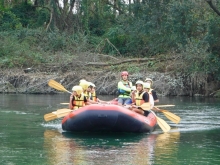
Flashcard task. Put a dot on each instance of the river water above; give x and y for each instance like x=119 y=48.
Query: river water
x=25 y=138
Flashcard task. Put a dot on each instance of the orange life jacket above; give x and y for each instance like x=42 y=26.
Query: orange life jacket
x=78 y=102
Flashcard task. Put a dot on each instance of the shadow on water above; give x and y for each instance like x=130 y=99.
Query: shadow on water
x=111 y=148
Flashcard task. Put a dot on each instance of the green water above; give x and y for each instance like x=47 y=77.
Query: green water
x=25 y=138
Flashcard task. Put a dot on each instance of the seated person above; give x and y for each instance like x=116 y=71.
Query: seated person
x=124 y=89
x=140 y=97
x=154 y=94
x=77 y=98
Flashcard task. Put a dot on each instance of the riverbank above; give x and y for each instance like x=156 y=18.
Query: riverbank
x=34 y=80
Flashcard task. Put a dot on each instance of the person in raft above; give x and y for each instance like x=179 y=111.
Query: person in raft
x=139 y=97
x=77 y=98
x=85 y=84
x=124 y=89
x=93 y=96
x=147 y=90
x=152 y=91
x=87 y=87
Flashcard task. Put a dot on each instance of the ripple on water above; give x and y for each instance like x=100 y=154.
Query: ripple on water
x=54 y=124
x=16 y=112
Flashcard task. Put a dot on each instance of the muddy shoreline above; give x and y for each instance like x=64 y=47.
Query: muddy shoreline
x=34 y=81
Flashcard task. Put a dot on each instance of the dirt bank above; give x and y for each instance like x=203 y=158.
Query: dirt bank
x=34 y=80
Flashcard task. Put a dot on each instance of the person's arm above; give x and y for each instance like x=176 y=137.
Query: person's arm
x=123 y=87
x=133 y=96
x=86 y=101
x=101 y=101
x=154 y=94
x=146 y=97
x=71 y=102
x=92 y=101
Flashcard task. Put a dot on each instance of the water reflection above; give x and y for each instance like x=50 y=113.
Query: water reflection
x=123 y=148
x=61 y=150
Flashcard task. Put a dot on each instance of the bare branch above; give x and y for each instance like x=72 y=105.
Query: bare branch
x=213 y=7
x=120 y=62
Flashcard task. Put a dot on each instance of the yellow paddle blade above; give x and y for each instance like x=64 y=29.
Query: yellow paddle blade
x=164 y=105
x=56 y=114
x=163 y=125
x=50 y=116
x=63 y=112
x=145 y=106
x=56 y=85
x=174 y=118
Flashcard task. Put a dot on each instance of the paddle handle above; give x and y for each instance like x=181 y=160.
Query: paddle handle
x=69 y=92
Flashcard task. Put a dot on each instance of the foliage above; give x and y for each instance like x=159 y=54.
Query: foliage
x=9 y=21
x=185 y=30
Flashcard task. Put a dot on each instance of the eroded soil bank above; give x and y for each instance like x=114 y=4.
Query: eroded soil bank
x=35 y=81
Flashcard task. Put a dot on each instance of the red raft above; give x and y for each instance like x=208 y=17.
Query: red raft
x=111 y=118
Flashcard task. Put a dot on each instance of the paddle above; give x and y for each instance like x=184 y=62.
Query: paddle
x=174 y=118
x=50 y=116
x=164 y=105
x=57 y=114
x=145 y=106
x=58 y=86
x=163 y=125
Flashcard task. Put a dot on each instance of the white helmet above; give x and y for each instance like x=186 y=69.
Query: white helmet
x=78 y=89
x=140 y=82
x=91 y=84
x=148 y=79
x=82 y=80
x=84 y=84
x=147 y=85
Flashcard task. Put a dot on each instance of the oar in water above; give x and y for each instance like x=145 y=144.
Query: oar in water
x=174 y=118
x=163 y=125
x=58 y=86
x=164 y=105
x=57 y=114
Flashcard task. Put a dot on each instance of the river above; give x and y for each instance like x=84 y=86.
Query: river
x=27 y=139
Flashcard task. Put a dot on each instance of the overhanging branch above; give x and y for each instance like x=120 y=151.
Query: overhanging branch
x=213 y=7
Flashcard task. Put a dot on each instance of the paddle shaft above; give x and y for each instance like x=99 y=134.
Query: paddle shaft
x=57 y=114
x=163 y=125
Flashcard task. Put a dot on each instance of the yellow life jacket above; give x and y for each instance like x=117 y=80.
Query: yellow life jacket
x=139 y=98
x=78 y=102
x=87 y=95
x=93 y=96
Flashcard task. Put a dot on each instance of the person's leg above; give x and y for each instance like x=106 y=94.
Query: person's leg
x=120 y=101
x=146 y=113
x=128 y=101
x=138 y=111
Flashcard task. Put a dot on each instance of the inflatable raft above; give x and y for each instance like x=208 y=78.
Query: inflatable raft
x=111 y=118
